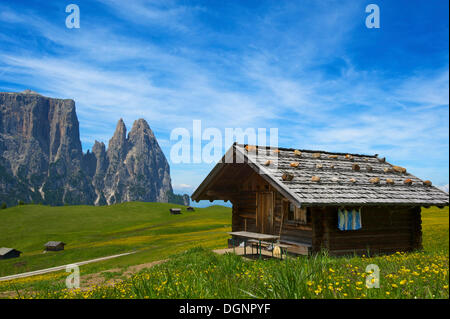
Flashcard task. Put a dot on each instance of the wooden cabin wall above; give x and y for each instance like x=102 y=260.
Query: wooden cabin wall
x=244 y=212
x=384 y=230
x=245 y=208
x=245 y=204
x=290 y=232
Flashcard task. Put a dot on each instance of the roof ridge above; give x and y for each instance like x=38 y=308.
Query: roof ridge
x=307 y=151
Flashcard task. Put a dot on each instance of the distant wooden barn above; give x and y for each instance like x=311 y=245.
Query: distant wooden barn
x=344 y=203
x=175 y=211
x=6 y=253
x=54 y=246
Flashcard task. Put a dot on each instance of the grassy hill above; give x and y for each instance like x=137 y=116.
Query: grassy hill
x=198 y=273
x=91 y=232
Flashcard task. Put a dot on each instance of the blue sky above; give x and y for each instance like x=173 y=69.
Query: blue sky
x=309 y=68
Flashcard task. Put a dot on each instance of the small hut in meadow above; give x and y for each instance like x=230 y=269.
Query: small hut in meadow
x=6 y=253
x=54 y=246
x=175 y=211
x=344 y=203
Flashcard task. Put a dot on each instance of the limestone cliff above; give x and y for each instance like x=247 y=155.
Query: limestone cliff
x=41 y=159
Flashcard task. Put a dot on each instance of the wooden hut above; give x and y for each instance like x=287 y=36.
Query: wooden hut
x=54 y=246
x=6 y=253
x=312 y=199
x=175 y=211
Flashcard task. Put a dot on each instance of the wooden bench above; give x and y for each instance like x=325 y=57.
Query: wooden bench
x=297 y=247
x=253 y=238
x=269 y=246
x=283 y=247
x=254 y=242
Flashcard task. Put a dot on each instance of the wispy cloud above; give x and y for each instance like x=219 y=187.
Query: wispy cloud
x=288 y=66
x=161 y=14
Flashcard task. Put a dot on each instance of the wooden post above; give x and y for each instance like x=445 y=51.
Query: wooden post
x=317 y=228
x=282 y=217
x=416 y=228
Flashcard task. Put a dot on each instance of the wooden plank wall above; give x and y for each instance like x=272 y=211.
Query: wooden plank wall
x=244 y=212
x=245 y=203
x=384 y=230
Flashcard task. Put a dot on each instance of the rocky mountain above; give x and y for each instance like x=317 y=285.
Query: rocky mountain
x=41 y=159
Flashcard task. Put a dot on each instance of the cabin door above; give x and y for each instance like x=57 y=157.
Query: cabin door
x=264 y=212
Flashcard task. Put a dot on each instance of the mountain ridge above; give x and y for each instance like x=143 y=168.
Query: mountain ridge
x=41 y=159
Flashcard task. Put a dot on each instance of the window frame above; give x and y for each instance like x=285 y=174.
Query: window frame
x=299 y=216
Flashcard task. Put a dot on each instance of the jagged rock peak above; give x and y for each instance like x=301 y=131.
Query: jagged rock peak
x=140 y=124
x=117 y=145
x=121 y=131
x=41 y=158
x=98 y=147
x=140 y=128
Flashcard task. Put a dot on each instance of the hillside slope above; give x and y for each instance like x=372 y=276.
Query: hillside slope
x=97 y=231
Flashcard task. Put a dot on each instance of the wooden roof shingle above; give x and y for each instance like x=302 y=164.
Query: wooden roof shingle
x=54 y=243
x=345 y=179
x=6 y=250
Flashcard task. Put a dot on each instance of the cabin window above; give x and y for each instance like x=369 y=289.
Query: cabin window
x=298 y=215
x=349 y=219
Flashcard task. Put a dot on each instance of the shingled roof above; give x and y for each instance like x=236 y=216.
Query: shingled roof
x=53 y=243
x=326 y=178
x=5 y=250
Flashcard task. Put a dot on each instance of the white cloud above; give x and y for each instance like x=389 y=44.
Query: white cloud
x=185 y=186
x=168 y=14
x=272 y=77
x=445 y=188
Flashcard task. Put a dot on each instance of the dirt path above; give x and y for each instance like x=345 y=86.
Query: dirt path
x=47 y=270
x=99 y=278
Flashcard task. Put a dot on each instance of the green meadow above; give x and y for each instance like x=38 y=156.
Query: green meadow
x=92 y=232
x=193 y=271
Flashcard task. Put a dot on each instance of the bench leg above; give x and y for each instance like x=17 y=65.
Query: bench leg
x=245 y=247
x=260 y=249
